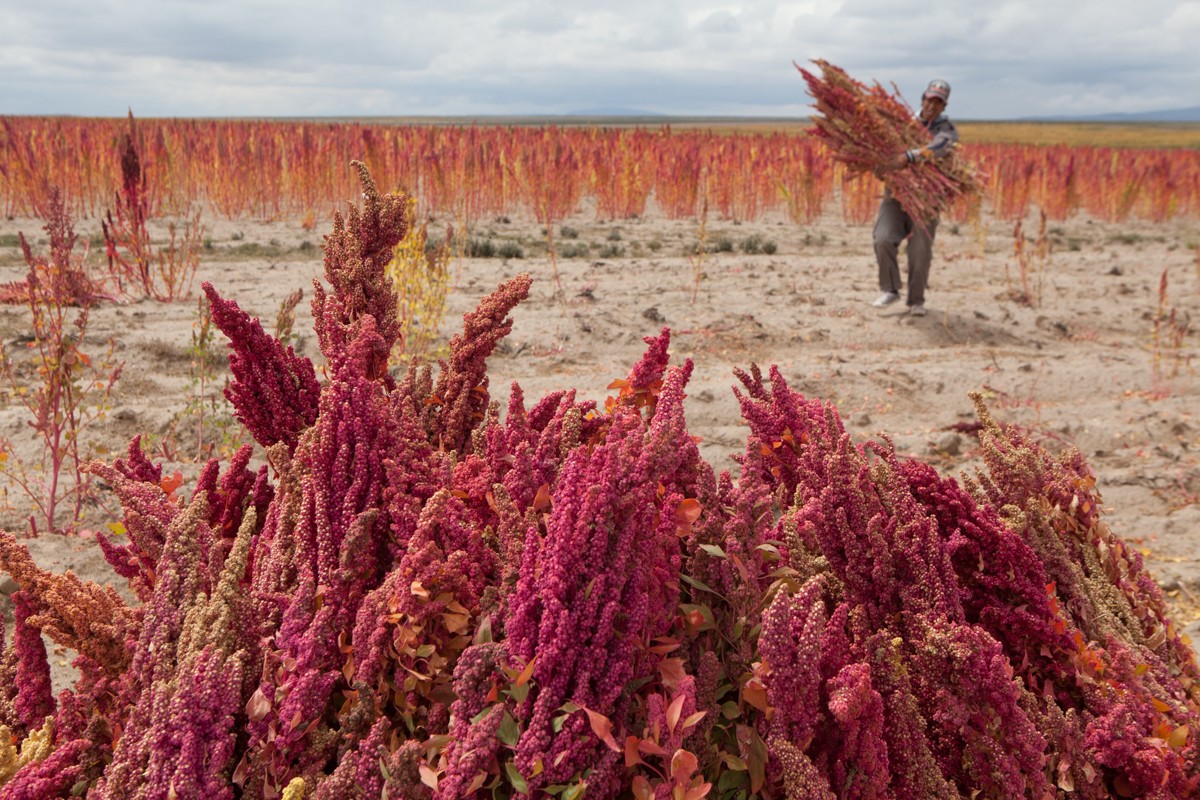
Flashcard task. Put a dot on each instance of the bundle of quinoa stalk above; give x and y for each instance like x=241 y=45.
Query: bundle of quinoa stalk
x=866 y=127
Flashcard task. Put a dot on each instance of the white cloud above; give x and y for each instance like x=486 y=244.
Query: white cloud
x=1009 y=58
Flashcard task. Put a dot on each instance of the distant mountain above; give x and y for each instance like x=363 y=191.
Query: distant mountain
x=1169 y=115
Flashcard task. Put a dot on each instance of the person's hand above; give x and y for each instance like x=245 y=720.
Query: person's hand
x=901 y=161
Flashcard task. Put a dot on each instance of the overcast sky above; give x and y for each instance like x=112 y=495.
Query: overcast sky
x=1004 y=59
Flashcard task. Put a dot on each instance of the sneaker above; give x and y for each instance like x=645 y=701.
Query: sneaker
x=886 y=299
x=917 y=311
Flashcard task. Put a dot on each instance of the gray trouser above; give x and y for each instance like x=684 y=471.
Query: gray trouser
x=891 y=226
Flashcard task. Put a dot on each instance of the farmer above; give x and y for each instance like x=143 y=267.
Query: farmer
x=892 y=224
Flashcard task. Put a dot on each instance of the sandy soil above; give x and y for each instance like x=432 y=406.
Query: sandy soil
x=1078 y=368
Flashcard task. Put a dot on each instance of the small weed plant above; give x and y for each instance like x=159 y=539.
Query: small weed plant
x=696 y=255
x=206 y=422
x=1168 y=337
x=64 y=390
x=420 y=271
x=1031 y=265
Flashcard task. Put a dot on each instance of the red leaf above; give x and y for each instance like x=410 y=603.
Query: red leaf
x=674 y=711
x=258 y=706
x=632 y=756
x=651 y=747
x=665 y=645
x=242 y=770
x=429 y=776
x=541 y=501
x=671 y=670
x=526 y=673
x=683 y=766
x=171 y=483
x=686 y=514
x=755 y=694
x=602 y=727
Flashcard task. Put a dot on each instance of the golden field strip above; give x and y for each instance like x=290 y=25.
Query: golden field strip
x=1071 y=134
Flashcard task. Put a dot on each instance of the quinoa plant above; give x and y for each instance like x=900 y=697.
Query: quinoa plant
x=422 y=597
x=134 y=263
x=285 y=319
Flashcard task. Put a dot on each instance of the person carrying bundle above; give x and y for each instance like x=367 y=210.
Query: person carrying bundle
x=893 y=223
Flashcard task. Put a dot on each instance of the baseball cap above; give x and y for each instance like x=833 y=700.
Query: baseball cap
x=939 y=89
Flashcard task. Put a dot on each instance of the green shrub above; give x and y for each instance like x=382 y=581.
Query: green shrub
x=481 y=248
x=757 y=243
x=510 y=250
x=722 y=244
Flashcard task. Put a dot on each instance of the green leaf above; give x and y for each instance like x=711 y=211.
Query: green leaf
x=518 y=693
x=771 y=552
x=713 y=550
x=508 y=732
x=733 y=762
x=483 y=634
x=637 y=683
x=729 y=710
x=514 y=777
x=758 y=761
x=731 y=780
x=696 y=583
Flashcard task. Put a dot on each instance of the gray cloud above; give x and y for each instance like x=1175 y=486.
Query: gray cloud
x=1006 y=59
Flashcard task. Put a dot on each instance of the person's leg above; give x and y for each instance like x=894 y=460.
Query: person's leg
x=920 y=256
x=891 y=226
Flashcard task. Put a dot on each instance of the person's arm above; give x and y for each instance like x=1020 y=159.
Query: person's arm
x=945 y=136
